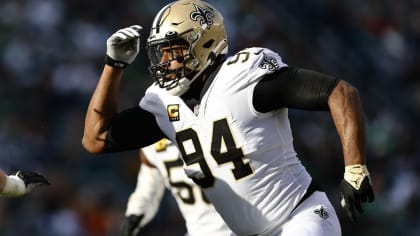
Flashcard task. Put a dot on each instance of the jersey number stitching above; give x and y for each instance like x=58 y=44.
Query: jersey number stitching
x=236 y=58
x=223 y=150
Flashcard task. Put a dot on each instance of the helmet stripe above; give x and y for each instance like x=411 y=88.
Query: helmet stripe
x=159 y=16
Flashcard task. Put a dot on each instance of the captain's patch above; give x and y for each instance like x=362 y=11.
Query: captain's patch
x=173 y=112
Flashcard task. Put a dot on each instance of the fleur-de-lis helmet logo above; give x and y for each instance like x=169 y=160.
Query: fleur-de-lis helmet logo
x=204 y=16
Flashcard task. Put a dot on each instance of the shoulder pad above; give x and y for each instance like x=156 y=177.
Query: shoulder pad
x=251 y=64
x=255 y=57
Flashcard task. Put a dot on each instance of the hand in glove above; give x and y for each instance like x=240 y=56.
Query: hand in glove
x=355 y=188
x=131 y=225
x=123 y=46
x=23 y=182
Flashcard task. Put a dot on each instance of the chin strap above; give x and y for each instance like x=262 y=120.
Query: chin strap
x=184 y=83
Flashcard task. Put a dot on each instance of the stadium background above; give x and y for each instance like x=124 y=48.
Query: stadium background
x=51 y=54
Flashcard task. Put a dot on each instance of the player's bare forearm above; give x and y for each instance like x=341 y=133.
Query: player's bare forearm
x=347 y=113
x=102 y=108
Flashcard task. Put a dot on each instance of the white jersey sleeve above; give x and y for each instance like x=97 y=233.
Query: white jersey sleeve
x=251 y=64
x=147 y=196
x=200 y=216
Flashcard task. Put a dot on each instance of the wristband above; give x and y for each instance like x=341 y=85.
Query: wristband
x=354 y=175
x=116 y=64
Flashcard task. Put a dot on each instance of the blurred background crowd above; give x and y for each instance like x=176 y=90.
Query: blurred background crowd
x=51 y=55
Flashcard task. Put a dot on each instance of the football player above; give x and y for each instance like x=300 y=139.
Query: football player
x=20 y=183
x=228 y=116
x=161 y=167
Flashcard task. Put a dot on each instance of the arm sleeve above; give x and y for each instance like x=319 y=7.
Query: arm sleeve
x=132 y=129
x=147 y=196
x=293 y=88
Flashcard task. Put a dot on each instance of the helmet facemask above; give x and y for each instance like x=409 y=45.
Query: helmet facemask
x=178 y=50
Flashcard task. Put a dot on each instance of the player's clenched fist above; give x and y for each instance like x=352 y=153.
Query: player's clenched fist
x=22 y=182
x=355 y=188
x=123 y=46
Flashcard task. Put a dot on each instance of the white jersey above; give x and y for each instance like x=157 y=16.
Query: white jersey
x=200 y=216
x=245 y=159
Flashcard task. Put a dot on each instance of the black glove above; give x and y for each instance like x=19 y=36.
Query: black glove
x=131 y=225
x=31 y=179
x=355 y=189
